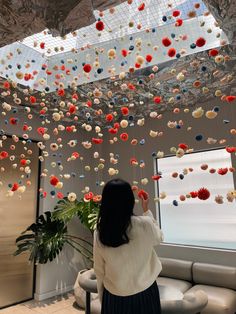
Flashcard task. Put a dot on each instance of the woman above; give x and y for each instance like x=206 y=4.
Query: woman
x=125 y=262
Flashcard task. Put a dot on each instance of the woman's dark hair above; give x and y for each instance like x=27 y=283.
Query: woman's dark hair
x=115 y=213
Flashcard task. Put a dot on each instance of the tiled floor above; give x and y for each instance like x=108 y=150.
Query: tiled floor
x=59 y=305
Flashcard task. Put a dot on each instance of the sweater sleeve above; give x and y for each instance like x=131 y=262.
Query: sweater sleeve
x=99 y=266
x=153 y=228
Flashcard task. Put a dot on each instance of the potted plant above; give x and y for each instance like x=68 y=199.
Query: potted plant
x=45 y=238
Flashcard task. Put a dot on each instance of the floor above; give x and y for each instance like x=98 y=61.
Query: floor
x=59 y=305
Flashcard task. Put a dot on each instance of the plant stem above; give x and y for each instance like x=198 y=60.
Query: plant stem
x=74 y=237
x=78 y=250
x=84 y=248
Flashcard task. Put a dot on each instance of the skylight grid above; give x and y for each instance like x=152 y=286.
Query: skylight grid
x=125 y=20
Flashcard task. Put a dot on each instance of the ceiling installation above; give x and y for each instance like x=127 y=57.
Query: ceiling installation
x=110 y=68
x=55 y=65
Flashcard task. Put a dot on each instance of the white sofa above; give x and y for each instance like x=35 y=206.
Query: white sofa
x=207 y=288
x=218 y=282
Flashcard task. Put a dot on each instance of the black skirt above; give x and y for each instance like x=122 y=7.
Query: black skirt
x=145 y=302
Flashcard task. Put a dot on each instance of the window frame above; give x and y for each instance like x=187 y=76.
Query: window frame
x=158 y=207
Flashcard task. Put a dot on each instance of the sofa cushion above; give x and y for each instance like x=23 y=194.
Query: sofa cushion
x=214 y=275
x=176 y=268
x=220 y=300
x=181 y=285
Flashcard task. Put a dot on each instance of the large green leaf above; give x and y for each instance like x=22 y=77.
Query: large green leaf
x=88 y=214
x=66 y=210
x=43 y=239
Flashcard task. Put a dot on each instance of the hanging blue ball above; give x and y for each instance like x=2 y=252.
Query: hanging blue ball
x=175 y=203
x=199 y=137
x=131 y=118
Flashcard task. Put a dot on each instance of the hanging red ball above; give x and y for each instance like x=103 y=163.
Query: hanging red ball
x=179 y=22
x=230 y=98
x=116 y=125
x=143 y=194
x=23 y=162
x=157 y=99
x=203 y=194
x=125 y=111
x=61 y=92
x=100 y=26
x=231 y=149
x=176 y=13
x=87 y=68
x=124 y=52
x=33 y=99
x=171 y=52
x=193 y=194
x=6 y=85
x=97 y=140
x=148 y=58
x=13 y=121
x=141 y=7
x=109 y=117
x=124 y=137
x=222 y=171
x=72 y=109
x=42 y=45
x=200 y=42
x=41 y=130
x=213 y=52
x=3 y=155
x=183 y=146
x=166 y=41
x=113 y=130
x=15 y=187
x=54 y=180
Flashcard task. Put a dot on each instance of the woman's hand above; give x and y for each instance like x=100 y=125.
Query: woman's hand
x=145 y=201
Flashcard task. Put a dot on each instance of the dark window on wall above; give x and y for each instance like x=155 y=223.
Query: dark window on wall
x=196 y=222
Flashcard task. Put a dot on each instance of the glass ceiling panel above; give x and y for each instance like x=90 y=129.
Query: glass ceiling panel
x=117 y=24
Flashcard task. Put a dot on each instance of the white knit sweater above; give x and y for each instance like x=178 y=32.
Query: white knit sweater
x=132 y=267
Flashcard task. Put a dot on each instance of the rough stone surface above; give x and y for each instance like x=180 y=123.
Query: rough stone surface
x=224 y=11
x=22 y=18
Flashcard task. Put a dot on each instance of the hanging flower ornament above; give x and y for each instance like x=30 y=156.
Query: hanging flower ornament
x=203 y=194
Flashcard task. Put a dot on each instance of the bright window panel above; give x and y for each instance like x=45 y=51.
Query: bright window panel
x=195 y=222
